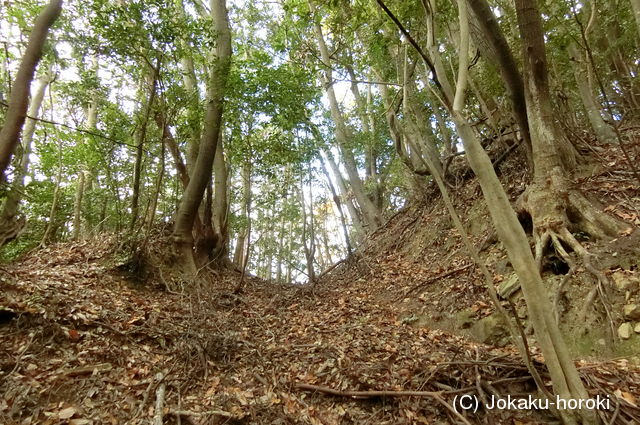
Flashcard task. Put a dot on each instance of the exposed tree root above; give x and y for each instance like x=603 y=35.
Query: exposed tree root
x=557 y=215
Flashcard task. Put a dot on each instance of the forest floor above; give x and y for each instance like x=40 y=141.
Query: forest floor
x=82 y=342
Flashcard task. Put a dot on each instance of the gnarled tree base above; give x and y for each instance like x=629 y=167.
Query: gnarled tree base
x=559 y=213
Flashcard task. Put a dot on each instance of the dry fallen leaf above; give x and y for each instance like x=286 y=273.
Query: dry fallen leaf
x=67 y=413
x=626 y=396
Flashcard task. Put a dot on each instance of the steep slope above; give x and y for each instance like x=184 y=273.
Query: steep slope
x=418 y=262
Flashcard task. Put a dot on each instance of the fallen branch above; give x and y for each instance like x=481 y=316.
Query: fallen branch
x=436 y=395
x=367 y=394
x=158 y=418
x=327 y=271
x=199 y=414
x=85 y=370
x=430 y=280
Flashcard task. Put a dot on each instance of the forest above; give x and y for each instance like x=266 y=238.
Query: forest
x=306 y=212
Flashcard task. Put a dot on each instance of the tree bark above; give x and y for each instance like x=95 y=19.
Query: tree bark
x=153 y=205
x=49 y=231
x=18 y=104
x=367 y=120
x=174 y=150
x=77 y=205
x=84 y=175
x=499 y=50
x=194 y=192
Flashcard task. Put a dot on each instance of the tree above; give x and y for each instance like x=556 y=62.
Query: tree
x=10 y=221
x=369 y=210
x=200 y=176
x=16 y=114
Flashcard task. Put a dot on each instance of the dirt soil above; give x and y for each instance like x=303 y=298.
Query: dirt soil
x=83 y=342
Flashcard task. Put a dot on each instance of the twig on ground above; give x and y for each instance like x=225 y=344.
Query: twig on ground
x=366 y=394
x=199 y=414
x=436 y=395
x=158 y=418
x=430 y=280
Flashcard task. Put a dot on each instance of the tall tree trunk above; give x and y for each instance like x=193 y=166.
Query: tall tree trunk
x=325 y=242
x=141 y=135
x=281 y=247
x=19 y=102
x=51 y=223
x=367 y=119
x=308 y=232
x=342 y=185
x=604 y=133
x=194 y=192
x=369 y=211
x=290 y=253
x=494 y=45
x=336 y=200
x=191 y=86
x=84 y=182
x=10 y=223
x=77 y=205
x=151 y=216
x=220 y=204
x=174 y=150
x=245 y=207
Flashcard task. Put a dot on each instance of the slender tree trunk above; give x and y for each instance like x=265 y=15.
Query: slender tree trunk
x=243 y=236
x=51 y=223
x=290 y=253
x=495 y=46
x=84 y=182
x=10 y=223
x=77 y=206
x=354 y=213
x=194 y=192
x=445 y=132
x=141 y=137
x=336 y=200
x=308 y=240
x=281 y=247
x=220 y=204
x=325 y=243
x=604 y=133
x=151 y=216
x=172 y=145
x=191 y=86
x=19 y=102
x=367 y=119
x=369 y=211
